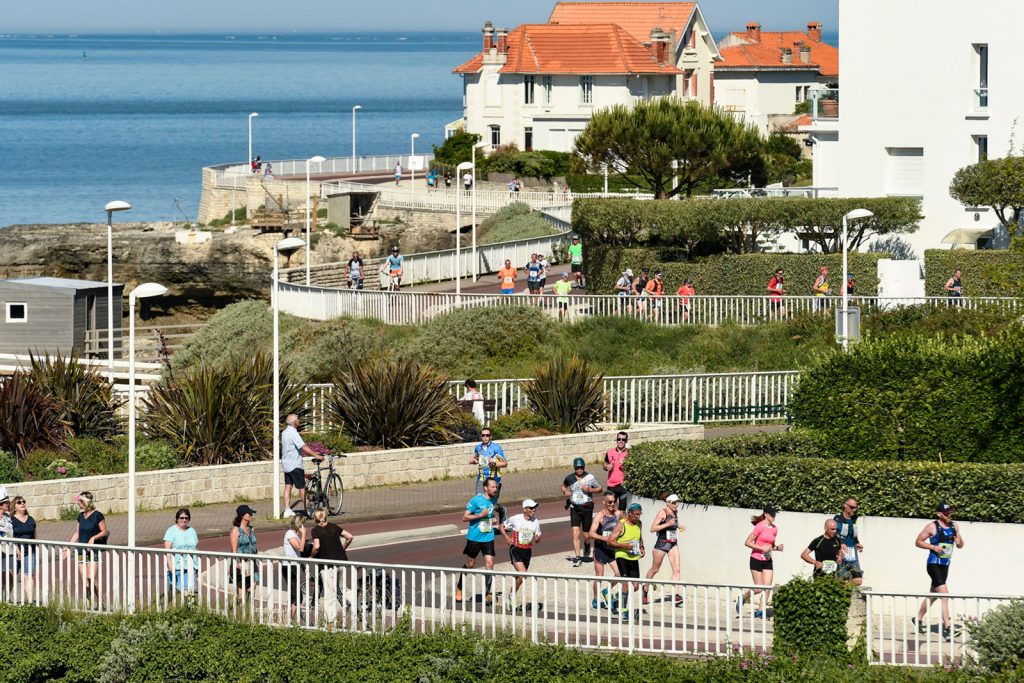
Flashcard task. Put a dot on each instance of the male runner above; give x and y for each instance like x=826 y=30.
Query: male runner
x=939 y=538
x=605 y=522
x=507 y=278
x=613 y=460
x=395 y=262
x=628 y=541
x=490 y=459
x=576 y=261
x=828 y=552
x=521 y=531
x=534 y=273
x=482 y=514
x=579 y=489
x=846 y=529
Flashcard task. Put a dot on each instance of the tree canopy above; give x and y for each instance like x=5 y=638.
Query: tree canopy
x=998 y=183
x=643 y=141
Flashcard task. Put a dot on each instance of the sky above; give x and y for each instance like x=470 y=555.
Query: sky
x=329 y=16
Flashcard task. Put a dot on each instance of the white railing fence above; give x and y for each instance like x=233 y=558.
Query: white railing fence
x=681 y=618
x=636 y=399
x=234 y=175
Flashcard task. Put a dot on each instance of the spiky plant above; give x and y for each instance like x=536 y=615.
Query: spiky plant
x=91 y=406
x=394 y=404
x=221 y=414
x=568 y=392
x=29 y=417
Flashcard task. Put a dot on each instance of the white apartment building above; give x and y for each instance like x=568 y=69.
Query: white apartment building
x=538 y=85
x=927 y=89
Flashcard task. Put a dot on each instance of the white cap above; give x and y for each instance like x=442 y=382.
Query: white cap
x=529 y=503
x=672 y=499
x=3 y=494
x=628 y=272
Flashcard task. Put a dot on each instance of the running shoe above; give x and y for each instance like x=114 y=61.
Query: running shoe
x=577 y=561
x=624 y=615
x=288 y=512
x=947 y=634
x=758 y=614
x=919 y=626
x=593 y=604
x=647 y=598
x=679 y=601
x=458 y=595
x=739 y=605
x=489 y=599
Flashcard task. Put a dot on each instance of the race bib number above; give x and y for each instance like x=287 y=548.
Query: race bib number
x=606 y=534
x=947 y=550
x=828 y=567
x=634 y=547
x=580 y=498
x=767 y=555
x=526 y=537
x=485 y=526
x=670 y=534
x=849 y=553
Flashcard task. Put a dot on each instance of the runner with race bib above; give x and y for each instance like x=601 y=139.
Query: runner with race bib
x=482 y=515
x=828 y=552
x=939 y=538
x=521 y=531
x=579 y=488
x=666 y=526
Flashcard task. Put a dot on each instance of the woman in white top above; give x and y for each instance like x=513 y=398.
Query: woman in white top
x=473 y=394
x=294 y=545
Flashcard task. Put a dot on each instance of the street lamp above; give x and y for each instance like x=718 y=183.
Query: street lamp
x=412 y=168
x=851 y=216
x=311 y=160
x=476 y=274
x=110 y=208
x=354 y=110
x=287 y=246
x=464 y=166
x=251 y=117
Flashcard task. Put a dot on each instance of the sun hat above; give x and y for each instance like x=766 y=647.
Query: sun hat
x=529 y=503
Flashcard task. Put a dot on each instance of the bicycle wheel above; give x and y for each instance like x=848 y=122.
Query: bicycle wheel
x=314 y=495
x=335 y=493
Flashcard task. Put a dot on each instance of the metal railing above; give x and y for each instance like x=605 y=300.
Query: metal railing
x=633 y=399
x=234 y=175
x=681 y=618
x=810 y=192
x=892 y=638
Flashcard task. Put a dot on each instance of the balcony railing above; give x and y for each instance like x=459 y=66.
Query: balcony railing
x=825 y=104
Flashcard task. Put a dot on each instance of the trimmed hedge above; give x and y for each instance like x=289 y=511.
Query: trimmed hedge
x=916 y=398
x=986 y=272
x=810 y=617
x=981 y=493
x=735 y=274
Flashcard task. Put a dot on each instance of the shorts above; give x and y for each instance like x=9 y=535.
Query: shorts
x=757 y=565
x=394 y=274
x=655 y=302
x=508 y=291
x=581 y=516
x=296 y=478
x=28 y=562
x=850 y=570
x=603 y=554
x=87 y=555
x=563 y=305
x=520 y=555
x=181 y=580
x=938 y=574
x=534 y=286
x=356 y=284
x=628 y=569
x=776 y=305
x=542 y=282
x=474 y=548
x=621 y=493
x=685 y=307
x=665 y=546
x=577 y=267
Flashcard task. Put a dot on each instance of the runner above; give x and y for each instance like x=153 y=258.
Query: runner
x=685 y=291
x=775 y=290
x=954 y=289
x=525 y=531
x=640 y=291
x=354 y=271
x=828 y=552
x=490 y=459
x=761 y=542
x=545 y=267
x=655 y=290
x=605 y=522
x=624 y=289
x=562 y=289
x=534 y=273
x=628 y=541
x=666 y=525
x=846 y=527
x=939 y=538
x=482 y=515
x=507 y=278
x=579 y=489
x=395 y=271
x=398 y=173
x=576 y=260
x=613 y=460
x=820 y=289
x=851 y=285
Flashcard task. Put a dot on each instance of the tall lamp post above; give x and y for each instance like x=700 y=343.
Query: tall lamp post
x=412 y=169
x=251 y=117
x=851 y=216
x=464 y=166
x=110 y=208
x=287 y=246
x=476 y=273
x=354 y=110
x=309 y=208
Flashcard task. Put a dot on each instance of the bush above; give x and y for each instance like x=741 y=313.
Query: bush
x=30 y=418
x=519 y=422
x=9 y=472
x=156 y=455
x=97 y=457
x=568 y=393
x=90 y=405
x=335 y=441
x=810 y=617
x=34 y=464
x=63 y=469
x=986 y=272
x=244 y=325
x=466 y=427
x=514 y=222
x=999 y=637
x=820 y=485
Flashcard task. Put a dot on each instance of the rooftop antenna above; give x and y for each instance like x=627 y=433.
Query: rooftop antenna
x=190 y=224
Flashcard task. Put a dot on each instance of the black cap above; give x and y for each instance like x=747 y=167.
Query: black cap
x=244 y=510
x=944 y=508
x=770 y=510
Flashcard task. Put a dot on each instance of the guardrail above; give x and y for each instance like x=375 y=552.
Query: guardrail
x=234 y=175
x=632 y=399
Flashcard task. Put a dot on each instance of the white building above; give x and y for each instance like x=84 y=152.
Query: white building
x=765 y=74
x=924 y=93
x=538 y=85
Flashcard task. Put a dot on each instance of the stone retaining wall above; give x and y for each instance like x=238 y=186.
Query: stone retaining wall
x=252 y=481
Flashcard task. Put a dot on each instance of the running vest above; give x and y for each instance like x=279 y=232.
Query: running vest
x=533 y=271
x=822 y=285
x=631 y=535
x=956 y=293
x=659 y=287
x=606 y=526
x=668 y=535
x=944 y=538
x=846 y=531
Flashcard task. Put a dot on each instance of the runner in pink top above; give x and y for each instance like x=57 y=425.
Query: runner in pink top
x=613 y=461
x=761 y=542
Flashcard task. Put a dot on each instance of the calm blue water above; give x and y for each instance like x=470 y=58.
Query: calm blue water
x=141 y=115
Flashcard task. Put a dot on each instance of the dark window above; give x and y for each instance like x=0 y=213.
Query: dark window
x=495 y=137
x=17 y=313
x=528 y=88
x=528 y=139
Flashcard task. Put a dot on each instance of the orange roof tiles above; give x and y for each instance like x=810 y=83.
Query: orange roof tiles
x=575 y=49
x=638 y=18
x=767 y=53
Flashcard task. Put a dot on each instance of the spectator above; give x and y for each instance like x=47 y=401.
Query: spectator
x=828 y=552
x=8 y=551
x=92 y=530
x=243 y=542
x=507 y=278
x=511 y=184
x=473 y=394
x=269 y=171
x=846 y=528
x=24 y=527
x=775 y=292
x=685 y=291
x=330 y=542
x=640 y=291
x=467 y=181
x=447 y=180
x=292 y=450
x=182 y=570
x=295 y=547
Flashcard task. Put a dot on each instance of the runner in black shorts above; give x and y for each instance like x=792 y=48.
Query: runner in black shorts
x=605 y=521
x=482 y=515
x=521 y=531
x=579 y=488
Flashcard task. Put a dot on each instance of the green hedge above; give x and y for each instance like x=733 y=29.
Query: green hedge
x=734 y=274
x=810 y=617
x=986 y=272
x=950 y=399
x=981 y=493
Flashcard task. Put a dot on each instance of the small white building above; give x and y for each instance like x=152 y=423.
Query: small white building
x=765 y=74
x=924 y=93
x=538 y=85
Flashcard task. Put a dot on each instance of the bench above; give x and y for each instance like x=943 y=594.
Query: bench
x=747 y=412
x=490 y=404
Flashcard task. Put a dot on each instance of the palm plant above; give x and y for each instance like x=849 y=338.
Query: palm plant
x=91 y=406
x=569 y=393
x=394 y=404
x=221 y=414
x=29 y=417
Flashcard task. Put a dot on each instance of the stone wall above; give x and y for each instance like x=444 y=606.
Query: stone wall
x=253 y=481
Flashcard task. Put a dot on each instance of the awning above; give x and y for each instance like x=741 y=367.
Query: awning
x=967 y=235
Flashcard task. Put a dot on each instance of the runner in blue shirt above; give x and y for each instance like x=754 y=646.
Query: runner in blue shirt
x=490 y=459
x=482 y=515
x=939 y=538
x=395 y=266
x=846 y=530
x=534 y=274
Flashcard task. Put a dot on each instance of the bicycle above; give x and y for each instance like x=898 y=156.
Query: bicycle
x=324 y=487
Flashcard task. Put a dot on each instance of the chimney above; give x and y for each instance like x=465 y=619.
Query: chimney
x=805 y=54
x=787 y=55
x=502 y=41
x=814 y=31
x=754 y=32
x=488 y=36
x=659 y=45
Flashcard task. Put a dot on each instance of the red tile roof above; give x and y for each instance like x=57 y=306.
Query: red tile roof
x=575 y=49
x=638 y=18
x=767 y=53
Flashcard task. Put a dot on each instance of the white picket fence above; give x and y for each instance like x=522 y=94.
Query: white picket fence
x=234 y=175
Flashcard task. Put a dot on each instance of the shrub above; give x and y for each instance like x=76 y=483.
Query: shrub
x=63 y=469
x=244 y=325
x=514 y=222
x=156 y=455
x=335 y=441
x=569 y=393
x=986 y=272
x=91 y=407
x=810 y=617
x=395 y=404
x=466 y=427
x=29 y=417
x=9 y=472
x=34 y=464
x=518 y=422
x=97 y=457
x=998 y=637
x=820 y=485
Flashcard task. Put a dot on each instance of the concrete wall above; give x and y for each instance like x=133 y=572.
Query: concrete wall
x=712 y=550
x=253 y=481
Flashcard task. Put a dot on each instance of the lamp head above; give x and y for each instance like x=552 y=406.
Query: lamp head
x=415 y=135
x=317 y=159
x=465 y=166
x=146 y=290
x=117 y=205
x=253 y=115
x=859 y=213
x=357 y=107
x=289 y=245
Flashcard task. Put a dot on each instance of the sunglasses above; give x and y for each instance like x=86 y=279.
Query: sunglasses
x=621 y=439
x=852 y=507
x=185 y=518
x=488 y=434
